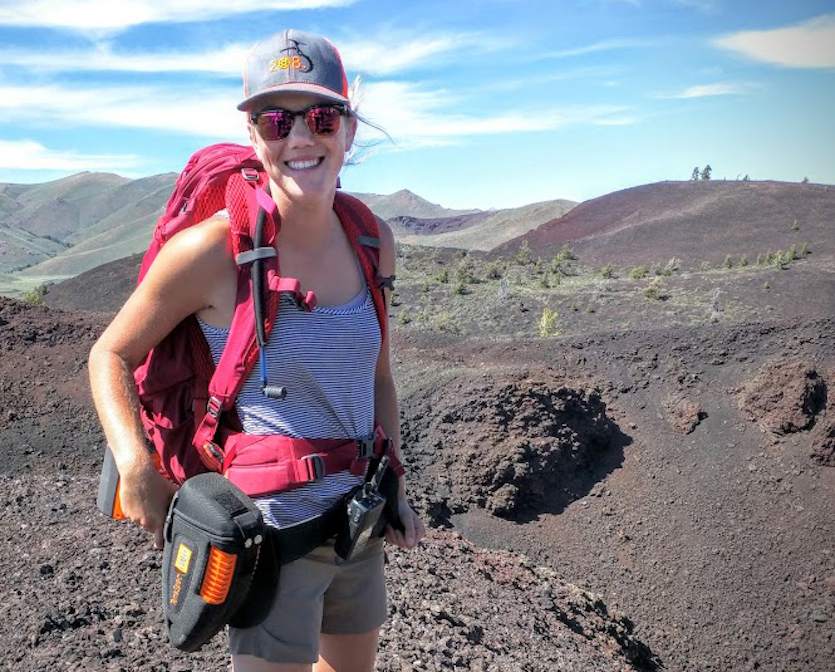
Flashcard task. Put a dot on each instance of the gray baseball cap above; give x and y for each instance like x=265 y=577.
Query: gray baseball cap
x=294 y=62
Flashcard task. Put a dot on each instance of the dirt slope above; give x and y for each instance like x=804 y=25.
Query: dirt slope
x=694 y=221
x=82 y=591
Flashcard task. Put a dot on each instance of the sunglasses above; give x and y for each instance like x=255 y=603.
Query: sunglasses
x=321 y=119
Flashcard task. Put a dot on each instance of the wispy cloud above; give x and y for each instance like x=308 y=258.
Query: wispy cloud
x=413 y=115
x=31 y=155
x=715 y=89
x=111 y=16
x=204 y=113
x=806 y=45
x=385 y=54
x=225 y=60
x=395 y=51
x=605 y=45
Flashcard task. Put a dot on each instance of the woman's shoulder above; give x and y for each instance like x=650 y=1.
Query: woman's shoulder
x=207 y=241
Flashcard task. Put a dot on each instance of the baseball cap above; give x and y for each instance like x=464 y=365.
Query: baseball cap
x=294 y=62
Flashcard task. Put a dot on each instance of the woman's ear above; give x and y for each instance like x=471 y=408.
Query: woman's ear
x=350 y=131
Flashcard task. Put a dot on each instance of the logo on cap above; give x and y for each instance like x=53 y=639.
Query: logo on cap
x=296 y=59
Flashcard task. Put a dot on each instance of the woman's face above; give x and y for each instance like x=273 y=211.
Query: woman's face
x=303 y=165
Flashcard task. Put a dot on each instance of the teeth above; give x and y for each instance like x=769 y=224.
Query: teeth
x=301 y=165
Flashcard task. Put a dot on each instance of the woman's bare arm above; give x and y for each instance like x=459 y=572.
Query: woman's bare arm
x=192 y=272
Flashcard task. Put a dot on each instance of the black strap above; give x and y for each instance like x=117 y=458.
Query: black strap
x=255 y=255
x=387 y=282
x=291 y=543
x=368 y=241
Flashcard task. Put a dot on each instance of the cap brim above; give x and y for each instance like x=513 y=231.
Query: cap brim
x=292 y=87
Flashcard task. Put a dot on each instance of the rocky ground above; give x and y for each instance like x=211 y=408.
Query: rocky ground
x=645 y=500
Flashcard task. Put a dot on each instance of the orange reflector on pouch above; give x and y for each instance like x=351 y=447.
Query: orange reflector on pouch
x=218 y=577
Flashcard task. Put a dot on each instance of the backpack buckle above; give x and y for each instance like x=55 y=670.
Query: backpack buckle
x=213 y=407
x=213 y=456
x=315 y=466
x=365 y=447
x=250 y=174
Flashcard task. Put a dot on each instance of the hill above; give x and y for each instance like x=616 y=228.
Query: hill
x=56 y=230
x=406 y=203
x=694 y=221
x=477 y=231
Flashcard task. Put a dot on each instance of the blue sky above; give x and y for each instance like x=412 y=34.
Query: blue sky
x=491 y=103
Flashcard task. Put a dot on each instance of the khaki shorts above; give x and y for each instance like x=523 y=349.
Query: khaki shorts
x=318 y=593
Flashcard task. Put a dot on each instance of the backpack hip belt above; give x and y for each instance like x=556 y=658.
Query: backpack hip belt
x=265 y=464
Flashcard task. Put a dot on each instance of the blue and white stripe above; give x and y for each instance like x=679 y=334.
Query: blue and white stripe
x=326 y=359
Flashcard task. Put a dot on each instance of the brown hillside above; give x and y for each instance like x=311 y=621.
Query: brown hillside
x=693 y=221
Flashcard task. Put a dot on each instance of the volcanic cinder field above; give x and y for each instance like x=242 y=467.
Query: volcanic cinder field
x=621 y=469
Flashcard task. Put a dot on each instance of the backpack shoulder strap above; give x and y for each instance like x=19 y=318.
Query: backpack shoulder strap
x=240 y=353
x=360 y=225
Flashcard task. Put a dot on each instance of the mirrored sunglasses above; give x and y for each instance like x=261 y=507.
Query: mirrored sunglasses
x=276 y=124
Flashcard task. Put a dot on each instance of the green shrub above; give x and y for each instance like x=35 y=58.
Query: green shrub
x=442 y=276
x=760 y=259
x=743 y=260
x=607 y=272
x=791 y=253
x=704 y=266
x=638 y=272
x=543 y=281
x=445 y=322
x=34 y=297
x=672 y=266
x=573 y=307
x=780 y=261
x=729 y=262
x=494 y=271
x=465 y=270
x=460 y=288
x=549 y=323
x=404 y=317
x=537 y=266
x=795 y=227
x=654 y=290
x=804 y=249
x=523 y=254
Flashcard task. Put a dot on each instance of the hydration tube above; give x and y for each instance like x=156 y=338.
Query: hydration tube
x=271 y=391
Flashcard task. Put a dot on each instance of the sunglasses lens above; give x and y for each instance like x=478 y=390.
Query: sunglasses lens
x=275 y=125
x=323 y=120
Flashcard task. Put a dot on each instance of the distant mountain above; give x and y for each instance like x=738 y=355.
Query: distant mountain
x=61 y=223
x=694 y=221
x=405 y=203
x=62 y=228
x=478 y=231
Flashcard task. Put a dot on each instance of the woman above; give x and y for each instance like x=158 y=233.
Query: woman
x=301 y=126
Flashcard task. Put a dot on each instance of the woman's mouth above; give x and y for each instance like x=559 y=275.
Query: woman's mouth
x=305 y=164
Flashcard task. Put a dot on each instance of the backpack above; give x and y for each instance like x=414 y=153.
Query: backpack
x=187 y=404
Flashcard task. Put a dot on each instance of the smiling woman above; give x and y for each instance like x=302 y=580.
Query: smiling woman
x=329 y=347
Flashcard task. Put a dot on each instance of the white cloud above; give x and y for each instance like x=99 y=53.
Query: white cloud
x=717 y=89
x=807 y=45
x=110 y=16
x=397 y=51
x=226 y=60
x=31 y=155
x=411 y=115
x=605 y=45
x=201 y=112
x=383 y=55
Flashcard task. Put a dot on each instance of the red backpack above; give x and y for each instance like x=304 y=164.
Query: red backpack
x=188 y=403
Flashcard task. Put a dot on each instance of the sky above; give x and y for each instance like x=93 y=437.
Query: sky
x=488 y=103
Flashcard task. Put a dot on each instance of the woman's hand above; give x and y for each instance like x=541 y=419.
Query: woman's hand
x=144 y=495
x=413 y=529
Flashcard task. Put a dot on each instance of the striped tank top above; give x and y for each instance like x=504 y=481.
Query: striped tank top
x=326 y=359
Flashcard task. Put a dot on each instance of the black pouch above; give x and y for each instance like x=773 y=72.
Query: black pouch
x=214 y=536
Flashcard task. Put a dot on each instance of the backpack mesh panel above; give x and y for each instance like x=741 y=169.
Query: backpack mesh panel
x=211 y=201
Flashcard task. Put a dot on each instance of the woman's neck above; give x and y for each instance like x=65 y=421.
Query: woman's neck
x=305 y=223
